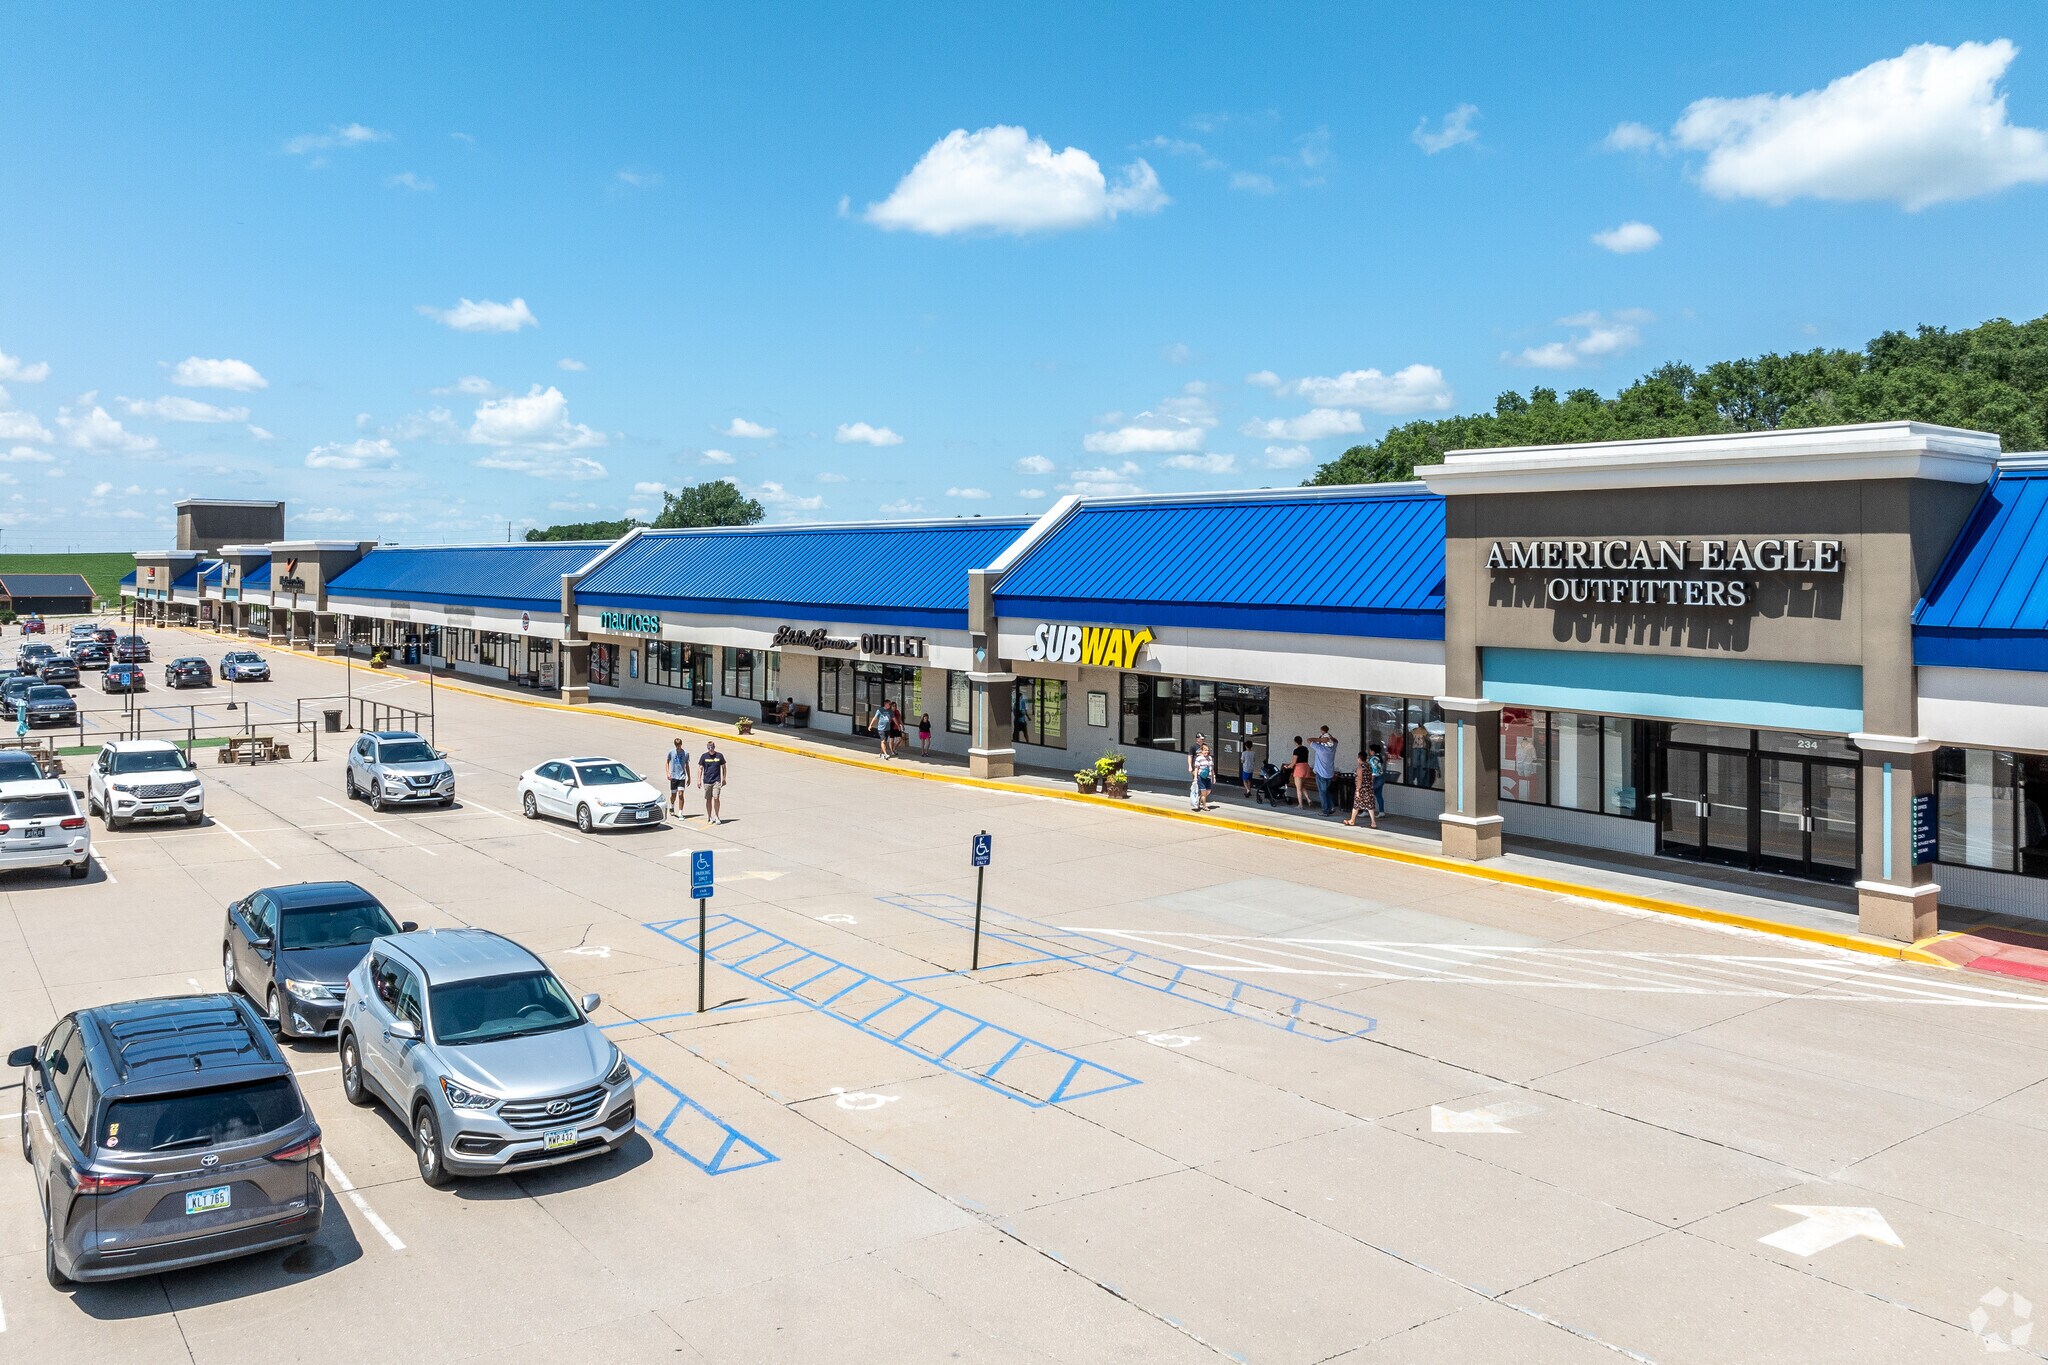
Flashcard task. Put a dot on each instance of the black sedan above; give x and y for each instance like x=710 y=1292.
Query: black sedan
x=61 y=670
x=91 y=654
x=292 y=948
x=188 y=672
x=118 y=678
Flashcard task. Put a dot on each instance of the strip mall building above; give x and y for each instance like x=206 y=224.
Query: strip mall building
x=1818 y=653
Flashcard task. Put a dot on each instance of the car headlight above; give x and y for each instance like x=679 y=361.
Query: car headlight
x=318 y=991
x=621 y=1070
x=462 y=1097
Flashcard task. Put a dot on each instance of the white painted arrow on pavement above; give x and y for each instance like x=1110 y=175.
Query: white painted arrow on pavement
x=1487 y=1120
x=1822 y=1226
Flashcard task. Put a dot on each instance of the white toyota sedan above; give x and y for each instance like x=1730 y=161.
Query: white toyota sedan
x=597 y=793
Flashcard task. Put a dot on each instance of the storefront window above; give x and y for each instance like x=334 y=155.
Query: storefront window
x=668 y=664
x=1622 y=755
x=604 y=665
x=1151 y=715
x=835 y=687
x=1410 y=733
x=1524 y=754
x=1040 y=712
x=1978 y=808
x=752 y=674
x=959 y=703
x=1575 y=771
x=875 y=683
x=490 y=649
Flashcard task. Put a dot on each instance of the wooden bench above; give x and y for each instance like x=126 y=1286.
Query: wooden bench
x=799 y=715
x=251 y=749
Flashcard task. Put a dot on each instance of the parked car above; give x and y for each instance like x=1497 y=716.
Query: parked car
x=30 y=658
x=188 y=672
x=42 y=826
x=144 y=779
x=47 y=704
x=597 y=793
x=166 y=1133
x=471 y=1041
x=107 y=636
x=60 y=669
x=131 y=649
x=118 y=678
x=396 y=767
x=293 y=947
x=14 y=691
x=244 y=665
x=17 y=765
x=32 y=625
x=91 y=654
x=80 y=630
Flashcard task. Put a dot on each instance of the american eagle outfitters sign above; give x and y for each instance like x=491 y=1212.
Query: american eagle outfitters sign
x=1665 y=573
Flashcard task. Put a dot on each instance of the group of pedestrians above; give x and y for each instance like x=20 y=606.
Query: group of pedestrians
x=886 y=725
x=1311 y=761
x=711 y=778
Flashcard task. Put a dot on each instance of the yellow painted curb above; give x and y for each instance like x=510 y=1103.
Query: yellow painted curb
x=1855 y=943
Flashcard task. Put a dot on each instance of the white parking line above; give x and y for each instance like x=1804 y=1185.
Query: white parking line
x=244 y=842
x=378 y=825
x=363 y=1205
x=554 y=834
x=101 y=859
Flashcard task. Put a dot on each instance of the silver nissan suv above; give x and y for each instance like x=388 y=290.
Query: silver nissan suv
x=471 y=1041
x=397 y=767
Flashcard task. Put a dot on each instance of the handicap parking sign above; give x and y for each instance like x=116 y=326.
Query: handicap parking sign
x=700 y=873
x=983 y=844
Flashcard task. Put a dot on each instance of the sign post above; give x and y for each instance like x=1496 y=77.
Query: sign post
x=983 y=846
x=1925 y=844
x=701 y=888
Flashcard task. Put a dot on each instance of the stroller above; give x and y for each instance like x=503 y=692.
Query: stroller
x=1270 y=786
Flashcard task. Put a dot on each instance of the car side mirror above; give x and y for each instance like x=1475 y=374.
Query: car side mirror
x=591 y=1002
x=22 y=1056
x=404 y=1029
x=441 y=754
x=406 y=926
x=264 y=941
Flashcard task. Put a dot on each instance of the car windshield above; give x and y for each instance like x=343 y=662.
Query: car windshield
x=16 y=766
x=201 y=1118
x=335 y=926
x=494 y=1008
x=405 y=751
x=189 y=663
x=34 y=807
x=150 y=761
x=48 y=694
x=605 y=774
x=239 y=659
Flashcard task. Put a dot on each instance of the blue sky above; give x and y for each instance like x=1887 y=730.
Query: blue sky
x=426 y=271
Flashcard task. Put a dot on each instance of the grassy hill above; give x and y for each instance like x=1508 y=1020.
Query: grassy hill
x=103 y=571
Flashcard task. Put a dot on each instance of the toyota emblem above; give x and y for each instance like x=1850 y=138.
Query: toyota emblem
x=558 y=1106
x=210 y=1159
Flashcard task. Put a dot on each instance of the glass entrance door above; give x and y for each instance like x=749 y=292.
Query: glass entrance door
x=1704 y=805
x=1806 y=813
x=700 y=674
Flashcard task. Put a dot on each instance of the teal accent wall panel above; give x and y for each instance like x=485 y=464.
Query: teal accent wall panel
x=1718 y=691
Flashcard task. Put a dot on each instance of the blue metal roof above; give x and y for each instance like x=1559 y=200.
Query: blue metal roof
x=520 y=576
x=1988 y=607
x=258 y=577
x=187 y=581
x=212 y=571
x=903 y=574
x=128 y=579
x=1345 y=562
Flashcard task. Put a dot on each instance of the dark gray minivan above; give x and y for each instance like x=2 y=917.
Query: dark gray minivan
x=166 y=1133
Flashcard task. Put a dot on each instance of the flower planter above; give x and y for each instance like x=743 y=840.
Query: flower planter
x=744 y=726
x=1118 y=791
x=1086 y=788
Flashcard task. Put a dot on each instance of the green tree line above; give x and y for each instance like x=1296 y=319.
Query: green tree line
x=717 y=503
x=1992 y=377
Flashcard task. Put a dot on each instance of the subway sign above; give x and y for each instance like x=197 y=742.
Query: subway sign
x=629 y=622
x=1092 y=646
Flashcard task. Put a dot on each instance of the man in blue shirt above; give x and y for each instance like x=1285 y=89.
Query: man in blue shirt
x=711 y=776
x=1322 y=761
x=678 y=779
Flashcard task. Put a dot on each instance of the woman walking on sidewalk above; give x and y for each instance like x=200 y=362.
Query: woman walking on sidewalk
x=1202 y=775
x=924 y=734
x=1361 y=792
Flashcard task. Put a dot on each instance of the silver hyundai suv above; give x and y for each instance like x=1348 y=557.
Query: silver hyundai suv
x=471 y=1041
x=393 y=767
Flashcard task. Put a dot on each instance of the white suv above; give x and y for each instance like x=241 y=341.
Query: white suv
x=144 y=779
x=42 y=826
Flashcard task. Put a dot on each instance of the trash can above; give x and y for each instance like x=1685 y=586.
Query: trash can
x=333 y=721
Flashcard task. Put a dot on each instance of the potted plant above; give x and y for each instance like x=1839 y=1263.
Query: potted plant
x=744 y=725
x=379 y=657
x=1084 y=781
x=1118 y=784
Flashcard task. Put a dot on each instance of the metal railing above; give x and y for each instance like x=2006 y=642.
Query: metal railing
x=360 y=713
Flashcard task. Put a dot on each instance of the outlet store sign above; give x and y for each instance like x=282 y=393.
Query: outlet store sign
x=1664 y=573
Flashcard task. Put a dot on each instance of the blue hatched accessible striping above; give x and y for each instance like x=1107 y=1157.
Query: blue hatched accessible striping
x=1311 y=1019
x=693 y=1132
x=990 y=1055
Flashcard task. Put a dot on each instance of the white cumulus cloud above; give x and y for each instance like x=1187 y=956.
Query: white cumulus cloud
x=1286 y=457
x=325 y=516
x=1455 y=129
x=1598 y=335
x=1202 y=464
x=831 y=476
x=1924 y=127
x=22 y=426
x=27 y=455
x=238 y=376
x=1263 y=379
x=338 y=135
x=1633 y=137
x=175 y=409
x=902 y=507
x=716 y=457
x=1627 y=238
x=537 y=420
x=752 y=431
x=1105 y=482
x=1034 y=464
x=1312 y=425
x=772 y=494
x=470 y=386
x=486 y=315
x=572 y=364
x=648 y=490
x=14 y=367
x=1410 y=389
x=1174 y=424
x=409 y=180
x=1002 y=179
x=860 y=433
x=351 y=455
x=972 y=494
x=91 y=428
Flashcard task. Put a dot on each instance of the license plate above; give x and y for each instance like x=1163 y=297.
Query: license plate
x=644 y=815
x=560 y=1138
x=161 y=810
x=33 y=832
x=207 y=1201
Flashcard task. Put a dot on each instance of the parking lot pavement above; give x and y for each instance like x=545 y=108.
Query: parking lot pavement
x=1213 y=1096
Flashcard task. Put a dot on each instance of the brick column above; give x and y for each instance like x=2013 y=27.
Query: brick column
x=1471 y=825
x=1896 y=897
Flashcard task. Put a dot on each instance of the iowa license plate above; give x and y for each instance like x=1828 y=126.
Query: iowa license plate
x=208 y=1201
x=560 y=1138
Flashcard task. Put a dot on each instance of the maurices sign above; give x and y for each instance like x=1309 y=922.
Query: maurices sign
x=1662 y=573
